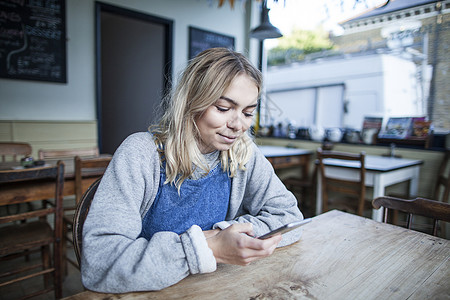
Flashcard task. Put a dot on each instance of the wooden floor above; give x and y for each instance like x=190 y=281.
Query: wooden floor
x=71 y=285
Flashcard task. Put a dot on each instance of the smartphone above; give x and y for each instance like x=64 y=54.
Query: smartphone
x=285 y=228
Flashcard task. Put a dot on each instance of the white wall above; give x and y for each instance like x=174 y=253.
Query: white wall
x=375 y=85
x=75 y=100
x=401 y=87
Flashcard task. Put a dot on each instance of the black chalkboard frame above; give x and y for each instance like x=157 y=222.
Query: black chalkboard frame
x=201 y=39
x=58 y=47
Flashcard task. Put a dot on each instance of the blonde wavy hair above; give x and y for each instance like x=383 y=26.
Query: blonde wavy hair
x=202 y=83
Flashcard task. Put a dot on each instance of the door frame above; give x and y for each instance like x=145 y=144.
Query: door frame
x=168 y=55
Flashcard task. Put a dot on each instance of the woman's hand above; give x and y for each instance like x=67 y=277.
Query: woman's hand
x=210 y=233
x=235 y=245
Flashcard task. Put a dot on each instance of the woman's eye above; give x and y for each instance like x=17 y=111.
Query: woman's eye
x=248 y=115
x=220 y=108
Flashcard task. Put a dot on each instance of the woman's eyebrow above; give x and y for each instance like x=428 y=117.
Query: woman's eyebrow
x=235 y=103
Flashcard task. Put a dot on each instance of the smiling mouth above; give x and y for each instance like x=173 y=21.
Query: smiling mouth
x=229 y=139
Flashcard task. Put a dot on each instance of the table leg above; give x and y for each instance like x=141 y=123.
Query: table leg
x=318 y=195
x=378 y=191
x=414 y=182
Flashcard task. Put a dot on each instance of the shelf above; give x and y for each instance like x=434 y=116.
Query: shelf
x=424 y=142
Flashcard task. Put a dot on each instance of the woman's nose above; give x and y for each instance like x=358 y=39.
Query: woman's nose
x=236 y=123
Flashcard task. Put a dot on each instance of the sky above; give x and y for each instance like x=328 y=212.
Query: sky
x=308 y=14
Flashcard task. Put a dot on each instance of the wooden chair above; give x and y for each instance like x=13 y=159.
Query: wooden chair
x=80 y=216
x=14 y=151
x=37 y=235
x=92 y=168
x=440 y=192
x=88 y=168
x=433 y=209
x=305 y=188
x=441 y=189
x=50 y=154
x=348 y=195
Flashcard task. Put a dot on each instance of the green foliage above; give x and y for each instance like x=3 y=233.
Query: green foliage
x=295 y=46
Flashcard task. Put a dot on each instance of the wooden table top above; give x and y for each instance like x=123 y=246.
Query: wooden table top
x=10 y=192
x=69 y=166
x=340 y=256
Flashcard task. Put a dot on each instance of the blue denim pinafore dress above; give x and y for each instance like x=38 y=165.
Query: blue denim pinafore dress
x=201 y=202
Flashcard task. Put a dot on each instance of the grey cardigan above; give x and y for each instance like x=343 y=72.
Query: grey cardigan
x=114 y=260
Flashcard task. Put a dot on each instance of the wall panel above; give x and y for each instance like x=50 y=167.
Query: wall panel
x=50 y=134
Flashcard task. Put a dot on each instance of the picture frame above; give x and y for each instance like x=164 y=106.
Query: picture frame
x=372 y=122
x=396 y=128
x=421 y=128
x=201 y=39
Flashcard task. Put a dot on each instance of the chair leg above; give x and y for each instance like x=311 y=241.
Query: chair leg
x=46 y=264
x=57 y=257
x=64 y=251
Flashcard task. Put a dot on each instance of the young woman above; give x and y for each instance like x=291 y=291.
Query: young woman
x=190 y=193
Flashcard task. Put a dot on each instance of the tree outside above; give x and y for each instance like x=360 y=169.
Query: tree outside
x=296 y=45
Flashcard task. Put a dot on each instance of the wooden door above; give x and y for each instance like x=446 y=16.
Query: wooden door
x=134 y=55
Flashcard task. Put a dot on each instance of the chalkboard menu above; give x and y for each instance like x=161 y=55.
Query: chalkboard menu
x=33 y=40
x=200 y=40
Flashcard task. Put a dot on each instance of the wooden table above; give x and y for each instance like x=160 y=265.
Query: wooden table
x=283 y=157
x=43 y=190
x=381 y=172
x=340 y=256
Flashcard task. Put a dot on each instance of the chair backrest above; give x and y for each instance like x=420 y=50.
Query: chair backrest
x=88 y=167
x=24 y=186
x=355 y=188
x=80 y=216
x=14 y=150
x=433 y=209
x=443 y=180
x=67 y=153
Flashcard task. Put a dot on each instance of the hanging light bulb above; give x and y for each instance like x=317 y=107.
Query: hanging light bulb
x=266 y=30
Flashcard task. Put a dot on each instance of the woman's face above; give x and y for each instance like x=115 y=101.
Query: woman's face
x=227 y=119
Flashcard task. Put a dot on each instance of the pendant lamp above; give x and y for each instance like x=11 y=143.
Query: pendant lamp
x=266 y=30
